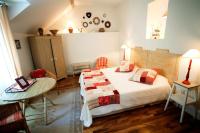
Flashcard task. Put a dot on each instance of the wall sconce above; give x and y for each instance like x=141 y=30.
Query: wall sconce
x=124 y=47
x=70 y=26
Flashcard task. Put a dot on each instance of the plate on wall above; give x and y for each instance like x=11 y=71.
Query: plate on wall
x=107 y=24
x=85 y=24
x=96 y=20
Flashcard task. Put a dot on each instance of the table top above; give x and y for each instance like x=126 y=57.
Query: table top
x=42 y=86
x=192 y=85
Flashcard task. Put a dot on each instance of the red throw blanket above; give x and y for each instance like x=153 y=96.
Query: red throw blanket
x=99 y=89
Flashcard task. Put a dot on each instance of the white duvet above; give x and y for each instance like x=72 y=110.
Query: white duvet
x=132 y=94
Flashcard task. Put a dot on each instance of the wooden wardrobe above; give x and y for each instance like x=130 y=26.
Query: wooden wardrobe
x=47 y=53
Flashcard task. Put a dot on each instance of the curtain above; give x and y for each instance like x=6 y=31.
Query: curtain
x=9 y=61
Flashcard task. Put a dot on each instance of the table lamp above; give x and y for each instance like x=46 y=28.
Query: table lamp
x=192 y=53
x=124 y=46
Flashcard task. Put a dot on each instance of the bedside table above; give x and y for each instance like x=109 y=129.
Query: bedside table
x=182 y=98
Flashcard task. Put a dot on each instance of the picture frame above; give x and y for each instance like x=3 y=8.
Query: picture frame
x=23 y=83
x=17 y=44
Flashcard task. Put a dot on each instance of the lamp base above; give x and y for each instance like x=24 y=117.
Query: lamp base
x=186 y=82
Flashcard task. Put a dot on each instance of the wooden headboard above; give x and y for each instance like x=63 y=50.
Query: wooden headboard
x=162 y=59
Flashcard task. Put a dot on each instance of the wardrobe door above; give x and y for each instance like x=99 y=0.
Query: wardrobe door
x=46 y=55
x=59 y=61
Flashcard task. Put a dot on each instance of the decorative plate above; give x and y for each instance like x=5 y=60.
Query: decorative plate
x=88 y=14
x=85 y=24
x=107 y=24
x=96 y=20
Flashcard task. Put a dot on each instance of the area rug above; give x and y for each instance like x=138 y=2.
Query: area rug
x=64 y=117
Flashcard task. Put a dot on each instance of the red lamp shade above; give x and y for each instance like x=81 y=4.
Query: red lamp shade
x=192 y=53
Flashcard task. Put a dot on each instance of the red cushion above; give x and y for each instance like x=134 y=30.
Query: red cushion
x=146 y=76
x=102 y=63
x=11 y=118
x=38 y=73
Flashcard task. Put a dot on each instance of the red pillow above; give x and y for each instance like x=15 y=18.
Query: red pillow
x=38 y=73
x=143 y=75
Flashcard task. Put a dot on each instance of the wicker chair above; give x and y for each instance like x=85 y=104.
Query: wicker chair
x=101 y=62
x=7 y=110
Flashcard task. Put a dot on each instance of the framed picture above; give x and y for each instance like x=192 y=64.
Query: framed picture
x=17 y=43
x=23 y=83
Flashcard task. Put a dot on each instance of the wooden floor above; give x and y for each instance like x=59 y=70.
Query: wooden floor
x=149 y=119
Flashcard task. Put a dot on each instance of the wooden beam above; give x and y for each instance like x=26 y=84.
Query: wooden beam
x=72 y=3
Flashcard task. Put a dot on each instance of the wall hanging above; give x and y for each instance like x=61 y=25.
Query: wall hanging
x=96 y=20
x=107 y=24
x=90 y=20
x=85 y=24
x=88 y=14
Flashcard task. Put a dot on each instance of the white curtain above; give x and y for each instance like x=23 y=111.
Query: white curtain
x=9 y=61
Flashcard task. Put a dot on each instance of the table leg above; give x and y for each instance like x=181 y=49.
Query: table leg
x=45 y=109
x=24 y=107
x=171 y=92
x=183 y=106
x=196 y=102
x=50 y=101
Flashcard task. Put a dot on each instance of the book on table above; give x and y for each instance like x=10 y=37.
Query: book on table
x=16 y=88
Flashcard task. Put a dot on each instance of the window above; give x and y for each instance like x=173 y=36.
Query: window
x=8 y=71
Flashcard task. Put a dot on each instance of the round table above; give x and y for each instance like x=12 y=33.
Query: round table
x=42 y=86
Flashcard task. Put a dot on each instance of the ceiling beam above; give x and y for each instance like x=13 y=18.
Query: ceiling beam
x=72 y=3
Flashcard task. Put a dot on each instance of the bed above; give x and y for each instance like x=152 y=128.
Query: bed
x=134 y=94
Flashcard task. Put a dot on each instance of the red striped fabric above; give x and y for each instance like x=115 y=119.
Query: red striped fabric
x=12 y=118
x=101 y=62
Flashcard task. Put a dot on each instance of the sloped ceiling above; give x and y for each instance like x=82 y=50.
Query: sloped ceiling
x=44 y=13
x=39 y=14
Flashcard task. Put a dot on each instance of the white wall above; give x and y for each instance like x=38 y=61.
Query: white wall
x=86 y=47
x=182 y=28
x=24 y=53
x=76 y=16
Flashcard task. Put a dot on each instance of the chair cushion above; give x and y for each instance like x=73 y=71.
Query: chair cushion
x=101 y=62
x=38 y=73
x=11 y=118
